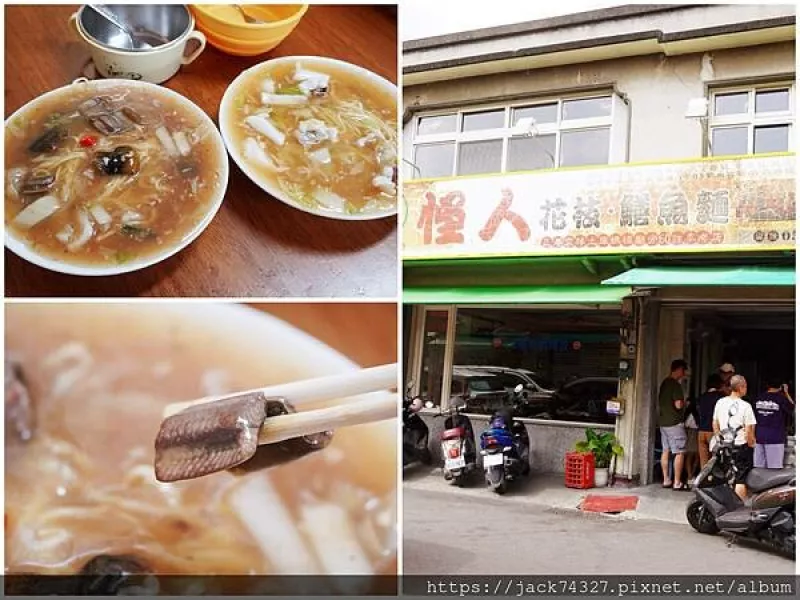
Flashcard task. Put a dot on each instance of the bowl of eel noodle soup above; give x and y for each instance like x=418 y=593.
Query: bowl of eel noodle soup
x=109 y=176
x=85 y=389
x=316 y=133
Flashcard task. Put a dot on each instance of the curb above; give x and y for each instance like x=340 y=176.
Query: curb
x=558 y=503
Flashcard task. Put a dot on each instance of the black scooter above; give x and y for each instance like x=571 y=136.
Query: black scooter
x=415 y=432
x=768 y=515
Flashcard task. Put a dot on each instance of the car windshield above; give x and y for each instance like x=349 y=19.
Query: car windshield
x=510 y=380
x=486 y=384
x=543 y=383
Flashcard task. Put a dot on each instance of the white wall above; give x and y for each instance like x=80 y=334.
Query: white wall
x=659 y=88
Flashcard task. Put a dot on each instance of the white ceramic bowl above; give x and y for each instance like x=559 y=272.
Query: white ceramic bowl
x=18 y=245
x=253 y=348
x=228 y=134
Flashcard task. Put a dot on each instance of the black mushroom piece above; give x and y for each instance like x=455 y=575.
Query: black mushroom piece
x=37 y=183
x=111 y=575
x=321 y=91
x=122 y=160
x=19 y=405
x=48 y=141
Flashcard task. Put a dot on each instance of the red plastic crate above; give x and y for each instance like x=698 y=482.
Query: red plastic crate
x=579 y=470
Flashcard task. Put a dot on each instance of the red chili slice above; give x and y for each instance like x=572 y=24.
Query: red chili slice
x=87 y=141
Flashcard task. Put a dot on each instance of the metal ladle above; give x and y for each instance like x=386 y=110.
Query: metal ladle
x=247 y=18
x=136 y=43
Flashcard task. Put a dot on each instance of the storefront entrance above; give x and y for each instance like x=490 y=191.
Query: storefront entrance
x=757 y=339
x=759 y=343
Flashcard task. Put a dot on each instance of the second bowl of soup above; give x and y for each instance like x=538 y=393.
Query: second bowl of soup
x=318 y=134
x=111 y=176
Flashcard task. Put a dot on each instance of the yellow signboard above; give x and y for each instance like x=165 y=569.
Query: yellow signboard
x=744 y=203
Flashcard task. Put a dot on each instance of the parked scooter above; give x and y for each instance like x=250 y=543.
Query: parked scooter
x=458 y=446
x=415 y=432
x=767 y=515
x=505 y=447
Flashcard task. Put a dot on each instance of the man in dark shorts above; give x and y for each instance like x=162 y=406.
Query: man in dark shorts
x=671 y=404
x=773 y=410
x=733 y=413
x=705 y=422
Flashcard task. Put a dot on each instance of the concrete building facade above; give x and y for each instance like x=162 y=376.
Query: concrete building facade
x=624 y=173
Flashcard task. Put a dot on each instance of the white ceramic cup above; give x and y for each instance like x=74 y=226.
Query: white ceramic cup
x=154 y=66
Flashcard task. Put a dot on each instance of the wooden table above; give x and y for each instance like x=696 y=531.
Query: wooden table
x=256 y=246
x=364 y=332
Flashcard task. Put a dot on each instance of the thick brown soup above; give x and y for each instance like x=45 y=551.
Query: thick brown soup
x=325 y=136
x=82 y=485
x=106 y=175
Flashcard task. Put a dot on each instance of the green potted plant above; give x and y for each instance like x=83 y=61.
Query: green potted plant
x=604 y=446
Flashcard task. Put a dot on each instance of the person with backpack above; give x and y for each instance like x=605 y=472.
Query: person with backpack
x=734 y=415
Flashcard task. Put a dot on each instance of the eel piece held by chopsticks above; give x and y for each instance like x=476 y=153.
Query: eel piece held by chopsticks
x=209 y=438
x=260 y=428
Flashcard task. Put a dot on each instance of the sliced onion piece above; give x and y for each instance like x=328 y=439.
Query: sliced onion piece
x=86 y=232
x=321 y=156
x=268 y=86
x=384 y=184
x=130 y=217
x=36 y=212
x=265 y=127
x=276 y=534
x=330 y=200
x=283 y=99
x=100 y=215
x=162 y=133
x=182 y=143
x=65 y=235
x=330 y=530
x=254 y=153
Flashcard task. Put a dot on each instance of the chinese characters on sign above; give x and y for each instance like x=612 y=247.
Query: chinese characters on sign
x=718 y=205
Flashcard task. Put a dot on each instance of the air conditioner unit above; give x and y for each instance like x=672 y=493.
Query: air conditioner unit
x=697 y=108
x=525 y=126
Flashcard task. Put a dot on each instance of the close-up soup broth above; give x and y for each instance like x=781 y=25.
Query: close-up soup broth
x=325 y=136
x=84 y=397
x=109 y=174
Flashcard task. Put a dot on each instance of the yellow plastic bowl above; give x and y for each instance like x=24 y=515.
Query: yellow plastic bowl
x=225 y=21
x=237 y=47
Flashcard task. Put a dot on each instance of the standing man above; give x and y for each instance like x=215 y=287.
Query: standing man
x=671 y=404
x=705 y=409
x=736 y=414
x=726 y=371
x=773 y=411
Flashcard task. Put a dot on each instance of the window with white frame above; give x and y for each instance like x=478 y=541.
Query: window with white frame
x=751 y=120
x=522 y=136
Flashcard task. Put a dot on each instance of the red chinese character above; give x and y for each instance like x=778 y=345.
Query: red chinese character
x=503 y=213
x=448 y=217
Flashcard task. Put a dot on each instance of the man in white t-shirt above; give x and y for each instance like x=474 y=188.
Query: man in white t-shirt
x=735 y=413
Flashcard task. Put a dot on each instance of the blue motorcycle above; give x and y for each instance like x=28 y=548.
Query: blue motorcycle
x=505 y=448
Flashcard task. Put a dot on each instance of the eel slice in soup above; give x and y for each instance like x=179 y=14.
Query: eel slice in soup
x=19 y=405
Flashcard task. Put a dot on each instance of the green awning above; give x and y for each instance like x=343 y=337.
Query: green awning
x=567 y=294
x=686 y=276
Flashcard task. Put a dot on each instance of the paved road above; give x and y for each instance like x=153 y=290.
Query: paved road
x=446 y=533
